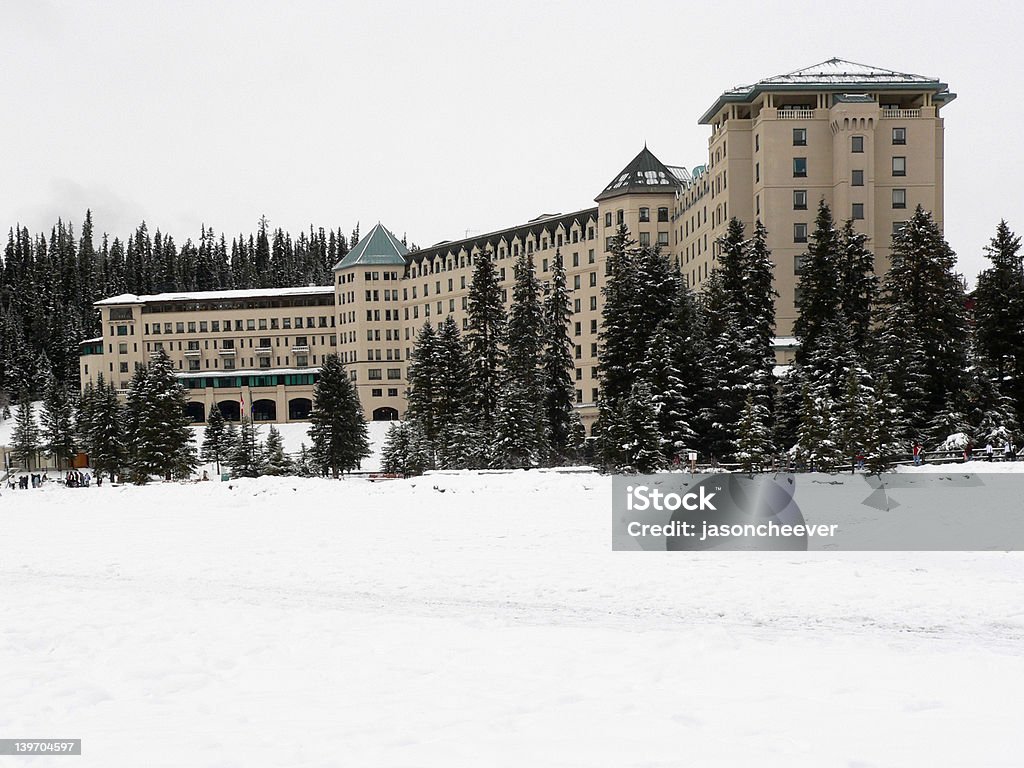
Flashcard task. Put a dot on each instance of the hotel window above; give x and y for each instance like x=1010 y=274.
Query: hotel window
x=178 y=328
x=858 y=210
x=857 y=179
x=608 y=219
x=757 y=142
x=645 y=238
x=593 y=302
x=757 y=172
x=376 y=393
x=122 y=349
x=663 y=214
x=645 y=214
x=798 y=264
x=578 y=329
x=899 y=136
x=575 y=259
x=799 y=200
x=590 y=256
x=799 y=167
x=394 y=373
x=897 y=226
x=123 y=367
x=799 y=233
x=899 y=198
x=899 y=166
x=373 y=374
x=799 y=137
x=856 y=143
x=620 y=216
x=593 y=279
x=663 y=238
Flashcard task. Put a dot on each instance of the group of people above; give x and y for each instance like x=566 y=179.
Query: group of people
x=25 y=482
x=76 y=479
x=990 y=453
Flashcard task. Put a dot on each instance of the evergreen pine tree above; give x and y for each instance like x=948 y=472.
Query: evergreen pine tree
x=247 y=459
x=520 y=438
x=58 y=419
x=754 y=446
x=557 y=365
x=159 y=434
x=215 y=446
x=485 y=337
x=818 y=298
x=339 y=434
x=26 y=441
x=924 y=333
x=276 y=461
x=999 y=314
x=106 y=438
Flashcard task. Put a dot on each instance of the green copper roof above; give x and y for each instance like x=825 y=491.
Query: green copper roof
x=378 y=247
x=836 y=76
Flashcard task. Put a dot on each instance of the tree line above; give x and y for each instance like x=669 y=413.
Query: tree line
x=149 y=436
x=48 y=283
x=500 y=395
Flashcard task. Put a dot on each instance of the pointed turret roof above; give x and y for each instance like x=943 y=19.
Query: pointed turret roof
x=379 y=246
x=645 y=173
x=838 y=75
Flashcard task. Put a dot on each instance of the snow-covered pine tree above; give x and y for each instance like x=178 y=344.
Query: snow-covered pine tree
x=852 y=429
x=25 y=442
x=485 y=338
x=247 y=459
x=216 y=446
x=754 y=447
x=672 y=373
x=402 y=454
x=458 y=442
x=727 y=371
x=275 y=460
x=158 y=431
x=924 y=332
x=58 y=418
x=999 y=314
x=642 y=452
x=339 y=434
x=818 y=299
x=304 y=463
x=620 y=350
x=858 y=285
x=520 y=438
x=989 y=409
x=950 y=429
x=557 y=366
x=888 y=440
x=106 y=438
x=422 y=395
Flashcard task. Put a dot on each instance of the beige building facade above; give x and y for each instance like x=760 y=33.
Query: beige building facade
x=867 y=141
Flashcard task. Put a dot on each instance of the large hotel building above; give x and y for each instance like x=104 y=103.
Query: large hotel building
x=868 y=141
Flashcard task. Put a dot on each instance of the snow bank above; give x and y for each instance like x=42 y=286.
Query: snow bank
x=466 y=620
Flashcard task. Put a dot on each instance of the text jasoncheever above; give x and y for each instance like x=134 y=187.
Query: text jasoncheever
x=708 y=530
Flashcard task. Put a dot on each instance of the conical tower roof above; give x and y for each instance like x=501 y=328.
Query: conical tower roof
x=378 y=247
x=645 y=173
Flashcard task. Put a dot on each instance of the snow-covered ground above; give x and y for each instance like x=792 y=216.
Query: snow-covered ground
x=482 y=620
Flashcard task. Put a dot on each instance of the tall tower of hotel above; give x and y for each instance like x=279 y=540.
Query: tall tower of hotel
x=867 y=141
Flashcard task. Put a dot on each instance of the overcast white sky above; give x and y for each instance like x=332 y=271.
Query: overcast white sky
x=442 y=117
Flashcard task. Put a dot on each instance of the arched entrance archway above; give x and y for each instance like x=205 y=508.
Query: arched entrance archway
x=299 y=408
x=385 y=413
x=264 y=410
x=195 y=411
x=230 y=410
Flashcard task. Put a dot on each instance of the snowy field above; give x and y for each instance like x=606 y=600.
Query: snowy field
x=464 y=620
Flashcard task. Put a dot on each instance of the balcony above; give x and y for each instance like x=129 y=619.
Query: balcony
x=193 y=352
x=264 y=351
x=900 y=114
x=227 y=351
x=795 y=114
x=300 y=349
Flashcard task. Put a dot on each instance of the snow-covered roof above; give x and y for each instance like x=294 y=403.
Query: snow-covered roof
x=834 y=75
x=241 y=293
x=245 y=372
